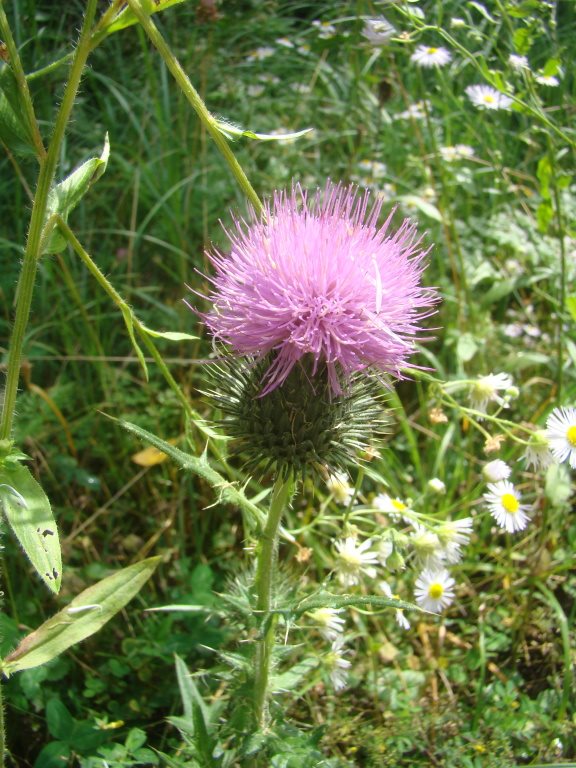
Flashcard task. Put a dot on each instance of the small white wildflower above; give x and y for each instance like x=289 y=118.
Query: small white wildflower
x=385 y=549
x=561 y=431
x=486 y=97
x=260 y=54
x=378 y=31
x=518 y=62
x=415 y=111
x=434 y=589
x=457 y=152
x=428 y=56
x=337 y=665
x=401 y=620
x=285 y=42
x=453 y=535
x=495 y=471
x=354 y=560
x=504 y=503
x=485 y=390
x=374 y=169
x=340 y=488
x=393 y=507
x=548 y=80
x=537 y=453
x=254 y=90
x=325 y=29
x=427 y=547
x=329 y=623
x=435 y=485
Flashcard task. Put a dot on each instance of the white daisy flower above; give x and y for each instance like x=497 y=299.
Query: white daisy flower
x=427 y=547
x=325 y=29
x=401 y=620
x=414 y=112
x=453 y=535
x=378 y=31
x=548 y=80
x=428 y=56
x=393 y=507
x=434 y=589
x=561 y=431
x=485 y=390
x=340 y=488
x=457 y=152
x=385 y=549
x=254 y=90
x=329 y=623
x=354 y=560
x=486 y=97
x=337 y=665
x=259 y=54
x=537 y=453
x=518 y=62
x=495 y=471
x=437 y=486
x=504 y=503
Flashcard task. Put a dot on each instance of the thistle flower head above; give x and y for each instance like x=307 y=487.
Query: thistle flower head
x=317 y=277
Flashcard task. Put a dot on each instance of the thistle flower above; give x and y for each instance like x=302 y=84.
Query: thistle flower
x=434 y=589
x=486 y=97
x=318 y=277
x=354 y=560
x=428 y=56
x=505 y=507
x=561 y=431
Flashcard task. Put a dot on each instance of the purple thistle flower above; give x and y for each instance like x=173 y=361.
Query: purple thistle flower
x=317 y=276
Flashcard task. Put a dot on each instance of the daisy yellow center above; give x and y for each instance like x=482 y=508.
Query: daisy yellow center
x=489 y=99
x=399 y=505
x=435 y=591
x=351 y=560
x=510 y=503
x=431 y=51
x=571 y=435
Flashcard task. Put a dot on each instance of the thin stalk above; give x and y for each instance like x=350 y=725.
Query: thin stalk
x=32 y=251
x=196 y=102
x=265 y=585
x=18 y=70
x=562 y=297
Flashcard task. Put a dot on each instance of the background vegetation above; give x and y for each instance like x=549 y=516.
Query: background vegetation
x=491 y=682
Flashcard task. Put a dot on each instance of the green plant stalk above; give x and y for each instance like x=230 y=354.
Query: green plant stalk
x=17 y=69
x=562 y=297
x=196 y=102
x=265 y=584
x=32 y=251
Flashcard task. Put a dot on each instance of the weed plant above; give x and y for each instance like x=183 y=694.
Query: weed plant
x=488 y=176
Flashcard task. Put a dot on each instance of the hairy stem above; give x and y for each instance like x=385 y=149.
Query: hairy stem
x=265 y=584
x=32 y=251
x=196 y=102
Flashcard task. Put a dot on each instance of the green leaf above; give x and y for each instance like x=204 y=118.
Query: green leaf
x=466 y=347
x=170 y=335
x=413 y=201
x=228 y=492
x=126 y=17
x=29 y=514
x=233 y=132
x=66 y=195
x=14 y=127
x=522 y=39
x=84 y=616
x=571 y=306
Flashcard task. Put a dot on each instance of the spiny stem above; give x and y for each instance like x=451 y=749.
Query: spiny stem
x=265 y=584
x=196 y=101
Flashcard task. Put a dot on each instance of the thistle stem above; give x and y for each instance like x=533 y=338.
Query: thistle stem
x=265 y=584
